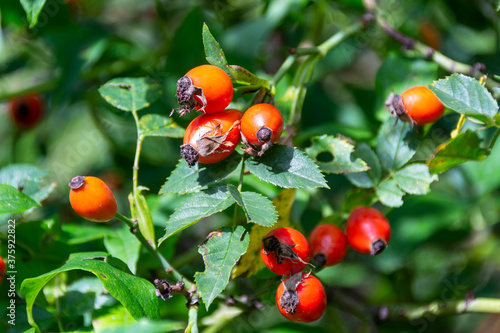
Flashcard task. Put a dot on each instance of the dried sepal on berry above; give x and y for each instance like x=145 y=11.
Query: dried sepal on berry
x=290 y=299
x=186 y=93
x=394 y=104
x=210 y=143
x=271 y=244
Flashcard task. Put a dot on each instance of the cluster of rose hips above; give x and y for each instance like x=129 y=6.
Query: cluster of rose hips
x=286 y=252
x=213 y=136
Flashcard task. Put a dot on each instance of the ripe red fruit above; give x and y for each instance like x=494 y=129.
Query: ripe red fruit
x=205 y=88
x=418 y=105
x=368 y=231
x=2 y=270
x=261 y=126
x=328 y=244
x=301 y=298
x=92 y=199
x=285 y=251
x=26 y=112
x=210 y=138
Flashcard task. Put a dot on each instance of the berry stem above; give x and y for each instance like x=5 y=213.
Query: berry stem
x=154 y=252
x=436 y=309
x=192 y=326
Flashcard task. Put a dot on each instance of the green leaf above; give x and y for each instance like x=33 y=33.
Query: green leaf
x=81 y=233
x=286 y=167
x=185 y=179
x=148 y=326
x=339 y=153
x=357 y=197
x=213 y=52
x=464 y=147
x=220 y=253
x=258 y=209
x=33 y=8
x=156 y=125
x=369 y=178
x=14 y=201
x=28 y=179
x=129 y=94
x=137 y=295
x=140 y=211
x=389 y=193
x=414 y=178
x=396 y=144
x=245 y=77
x=467 y=96
x=196 y=207
x=122 y=244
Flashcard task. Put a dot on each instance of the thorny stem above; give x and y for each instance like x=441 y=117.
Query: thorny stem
x=154 y=252
x=412 y=312
x=240 y=185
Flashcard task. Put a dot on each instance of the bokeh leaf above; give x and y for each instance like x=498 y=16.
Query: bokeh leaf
x=250 y=263
x=185 y=179
x=286 y=167
x=258 y=209
x=129 y=94
x=220 y=253
x=467 y=96
x=396 y=144
x=150 y=326
x=340 y=151
x=134 y=293
x=463 y=148
x=196 y=207
x=33 y=8
x=156 y=125
x=14 y=201
x=414 y=178
x=371 y=177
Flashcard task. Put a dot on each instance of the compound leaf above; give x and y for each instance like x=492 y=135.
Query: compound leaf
x=414 y=178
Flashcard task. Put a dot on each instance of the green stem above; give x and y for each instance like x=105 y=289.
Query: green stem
x=140 y=138
x=412 y=312
x=192 y=326
x=285 y=67
x=340 y=36
x=240 y=185
x=154 y=252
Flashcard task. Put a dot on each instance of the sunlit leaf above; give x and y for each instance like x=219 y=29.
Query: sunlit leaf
x=286 y=167
x=467 y=96
x=129 y=94
x=33 y=8
x=14 y=201
x=258 y=209
x=156 y=125
x=340 y=152
x=196 y=207
x=463 y=148
x=414 y=178
x=137 y=295
x=220 y=253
